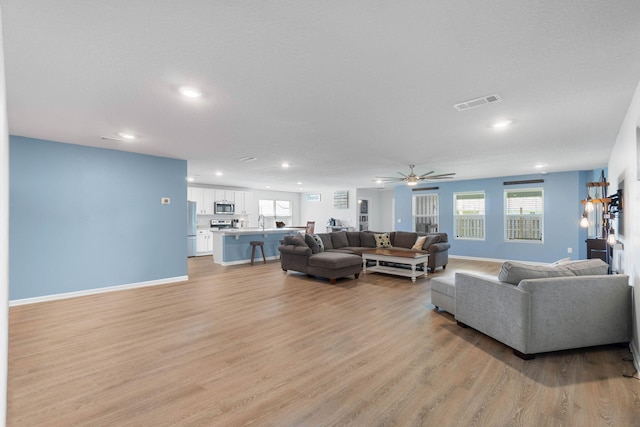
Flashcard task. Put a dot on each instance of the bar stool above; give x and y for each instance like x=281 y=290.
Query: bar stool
x=253 y=250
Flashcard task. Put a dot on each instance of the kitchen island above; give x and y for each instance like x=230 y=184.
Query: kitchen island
x=231 y=245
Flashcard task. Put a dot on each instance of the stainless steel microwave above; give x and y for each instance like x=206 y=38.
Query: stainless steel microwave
x=224 y=208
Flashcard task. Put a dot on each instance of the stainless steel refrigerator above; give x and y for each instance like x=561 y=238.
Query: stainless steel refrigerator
x=192 y=229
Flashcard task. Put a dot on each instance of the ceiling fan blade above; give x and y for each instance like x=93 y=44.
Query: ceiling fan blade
x=404 y=174
x=392 y=178
x=425 y=174
x=443 y=176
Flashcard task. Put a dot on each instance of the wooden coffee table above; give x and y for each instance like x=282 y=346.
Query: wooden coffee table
x=397 y=257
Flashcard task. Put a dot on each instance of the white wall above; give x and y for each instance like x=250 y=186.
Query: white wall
x=4 y=241
x=321 y=211
x=380 y=208
x=623 y=166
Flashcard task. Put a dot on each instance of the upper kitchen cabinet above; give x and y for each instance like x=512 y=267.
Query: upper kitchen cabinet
x=225 y=196
x=203 y=198
x=244 y=202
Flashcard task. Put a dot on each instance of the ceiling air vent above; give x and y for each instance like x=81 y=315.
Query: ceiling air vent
x=478 y=102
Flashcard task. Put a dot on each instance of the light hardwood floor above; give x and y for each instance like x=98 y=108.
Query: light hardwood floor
x=251 y=345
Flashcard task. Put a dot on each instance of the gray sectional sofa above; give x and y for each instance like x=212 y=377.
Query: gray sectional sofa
x=355 y=242
x=338 y=254
x=542 y=308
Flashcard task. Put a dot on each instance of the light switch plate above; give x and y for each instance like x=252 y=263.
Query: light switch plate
x=165 y=201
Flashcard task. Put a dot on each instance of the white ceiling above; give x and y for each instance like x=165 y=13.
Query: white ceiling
x=342 y=90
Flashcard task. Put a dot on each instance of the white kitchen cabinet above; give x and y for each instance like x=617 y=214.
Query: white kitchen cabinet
x=204 y=199
x=209 y=197
x=244 y=202
x=204 y=243
x=225 y=196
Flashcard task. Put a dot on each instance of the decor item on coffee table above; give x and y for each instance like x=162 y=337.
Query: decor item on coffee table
x=391 y=257
x=542 y=308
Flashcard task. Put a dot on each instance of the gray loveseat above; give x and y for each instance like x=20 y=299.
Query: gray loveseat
x=537 y=309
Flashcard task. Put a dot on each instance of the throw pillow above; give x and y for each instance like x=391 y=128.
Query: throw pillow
x=419 y=242
x=588 y=267
x=311 y=242
x=382 y=240
x=296 y=240
x=513 y=272
x=319 y=242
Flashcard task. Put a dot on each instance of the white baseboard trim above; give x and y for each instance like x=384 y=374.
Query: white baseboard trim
x=635 y=352
x=94 y=291
x=246 y=261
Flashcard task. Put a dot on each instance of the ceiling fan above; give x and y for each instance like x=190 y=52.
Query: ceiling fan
x=413 y=179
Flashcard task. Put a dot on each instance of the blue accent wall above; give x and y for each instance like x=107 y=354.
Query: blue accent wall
x=83 y=218
x=562 y=195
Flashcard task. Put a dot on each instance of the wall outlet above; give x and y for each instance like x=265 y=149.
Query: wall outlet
x=569 y=250
x=165 y=201
x=399 y=220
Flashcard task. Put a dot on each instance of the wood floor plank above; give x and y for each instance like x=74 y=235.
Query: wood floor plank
x=252 y=345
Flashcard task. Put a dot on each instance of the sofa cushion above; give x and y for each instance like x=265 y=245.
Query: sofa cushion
x=319 y=242
x=382 y=240
x=560 y=262
x=311 y=242
x=354 y=238
x=404 y=239
x=339 y=239
x=419 y=242
x=326 y=240
x=367 y=239
x=513 y=272
x=588 y=267
x=334 y=260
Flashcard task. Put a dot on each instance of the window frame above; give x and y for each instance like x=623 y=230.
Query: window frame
x=414 y=215
x=457 y=216
x=275 y=217
x=506 y=215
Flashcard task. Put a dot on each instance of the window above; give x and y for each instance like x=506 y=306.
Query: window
x=468 y=212
x=523 y=215
x=426 y=213
x=275 y=210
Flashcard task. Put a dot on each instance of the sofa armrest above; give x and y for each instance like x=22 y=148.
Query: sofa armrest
x=438 y=247
x=579 y=311
x=495 y=308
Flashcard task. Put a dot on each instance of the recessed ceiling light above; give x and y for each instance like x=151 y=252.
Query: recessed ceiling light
x=126 y=135
x=218 y=173
x=190 y=179
x=501 y=124
x=190 y=92
x=539 y=166
x=299 y=183
x=285 y=164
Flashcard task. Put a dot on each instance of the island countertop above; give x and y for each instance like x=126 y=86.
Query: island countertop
x=255 y=230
